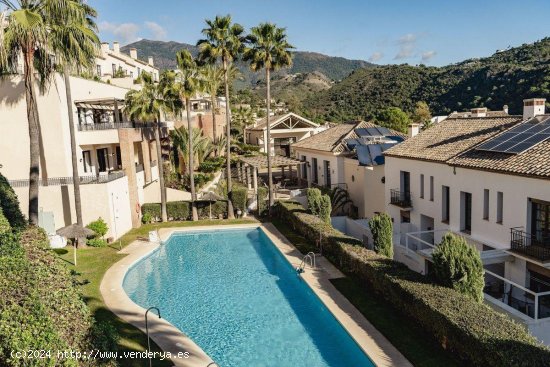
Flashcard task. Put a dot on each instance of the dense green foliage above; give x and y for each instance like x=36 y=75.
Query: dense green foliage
x=40 y=307
x=505 y=78
x=458 y=265
x=393 y=118
x=381 y=228
x=4 y=224
x=10 y=205
x=179 y=210
x=313 y=200
x=472 y=331
x=240 y=198
x=99 y=226
x=325 y=208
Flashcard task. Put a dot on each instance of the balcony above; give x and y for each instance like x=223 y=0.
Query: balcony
x=401 y=199
x=117 y=125
x=60 y=181
x=534 y=246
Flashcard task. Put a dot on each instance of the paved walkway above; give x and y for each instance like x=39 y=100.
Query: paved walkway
x=172 y=340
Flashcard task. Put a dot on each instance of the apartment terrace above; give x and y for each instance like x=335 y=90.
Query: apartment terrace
x=84 y=180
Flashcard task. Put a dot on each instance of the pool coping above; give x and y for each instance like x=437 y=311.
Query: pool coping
x=171 y=339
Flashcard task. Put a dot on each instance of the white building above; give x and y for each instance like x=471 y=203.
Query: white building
x=117 y=159
x=120 y=69
x=486 y=178
x=284 y=129
x=349 y=156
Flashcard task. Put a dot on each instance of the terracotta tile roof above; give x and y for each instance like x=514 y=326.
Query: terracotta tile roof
x=451 y=137
x=332 y=140
x=469 y=114
x=533 y=162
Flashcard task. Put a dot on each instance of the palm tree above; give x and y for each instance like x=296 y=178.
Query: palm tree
x=224 y=41
x=78 y=46
x=146 y=105
x=201 y=148
x=242 y=117
x=268 y=49
x=212 y=78
x=36 y=30
x=189 y=85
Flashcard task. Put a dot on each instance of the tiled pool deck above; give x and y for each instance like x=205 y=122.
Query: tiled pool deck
x=172 y=340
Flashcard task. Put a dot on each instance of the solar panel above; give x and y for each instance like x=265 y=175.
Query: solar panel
x=363 y=155
x=519 y=139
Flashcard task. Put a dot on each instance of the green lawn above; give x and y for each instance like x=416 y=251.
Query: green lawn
x=94 y=262
x=407 y=337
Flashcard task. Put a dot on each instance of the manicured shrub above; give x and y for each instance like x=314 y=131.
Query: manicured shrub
x=96 y=242
x=313 y=200
x=152 y=209
x=219 y=207
x=458 y=265
x=325 y=208
x=178 y=210
x=262 y=200
x=472 y=331
x=382 y=234
x=99 y=227
x=240 y=197
x=10 y=205
x=4 y=223
x=146 y=218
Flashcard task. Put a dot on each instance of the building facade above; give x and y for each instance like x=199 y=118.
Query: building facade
x=470 y=175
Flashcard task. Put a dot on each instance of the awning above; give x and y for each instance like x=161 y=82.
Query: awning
x=106 y=104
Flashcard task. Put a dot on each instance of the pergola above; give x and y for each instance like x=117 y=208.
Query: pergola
x=248 y=166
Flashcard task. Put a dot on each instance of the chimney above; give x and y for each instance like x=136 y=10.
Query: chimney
x=133 y=53
x=151 y=61
x=116 y=47
x=533 y=107
x=479 y=112
x=104 y=47
x=414 y=129
x=505 y=108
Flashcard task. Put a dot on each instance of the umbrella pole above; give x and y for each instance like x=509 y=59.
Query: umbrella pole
x=210 y=216
x=74 y=252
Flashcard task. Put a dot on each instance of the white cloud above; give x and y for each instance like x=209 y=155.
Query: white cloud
x=407 y=46
x=157 y=31
x=123 y=32
x=427 y=56
x=376 y=56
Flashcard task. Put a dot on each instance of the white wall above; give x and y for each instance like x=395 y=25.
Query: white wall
x=365 y=187
x=336 y=165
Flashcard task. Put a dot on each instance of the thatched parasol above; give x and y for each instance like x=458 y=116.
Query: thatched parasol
x=211 y=197
x=75 y=231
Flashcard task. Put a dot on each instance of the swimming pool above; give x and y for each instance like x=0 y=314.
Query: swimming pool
x=241 y=301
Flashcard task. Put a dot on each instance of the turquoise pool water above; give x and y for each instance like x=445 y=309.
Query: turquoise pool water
x=241 y=301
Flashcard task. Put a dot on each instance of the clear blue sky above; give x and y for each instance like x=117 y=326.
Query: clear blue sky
x=435 y=32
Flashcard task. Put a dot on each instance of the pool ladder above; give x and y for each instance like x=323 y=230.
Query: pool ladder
x=311 y=256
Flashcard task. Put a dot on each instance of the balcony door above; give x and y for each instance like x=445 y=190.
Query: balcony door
x=102 y=160
x=540 y=219
x=327 y=174
x=315 y=171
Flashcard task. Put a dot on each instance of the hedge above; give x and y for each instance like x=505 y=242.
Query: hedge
x=41 y=307
x=180 y=210
x=474 y=332
x=10 y=205
x=240 y=198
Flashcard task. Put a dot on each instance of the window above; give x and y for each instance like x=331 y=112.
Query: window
x=138 y=71
x=405 y=216
x=102 y=160
x=327 y=173
x=304 y=167
x=114 y=69
x=431 y=188
x=445 y=204
x=315 y=172
x=500 y=204
x=486 y=204
x=98 y=70
x=405 y=182
x=422 y=186
x=466 y=212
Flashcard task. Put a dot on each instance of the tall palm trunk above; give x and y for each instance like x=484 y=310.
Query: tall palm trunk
x=34 y=136
x=76 y=180
x=160 y=166
x=269 y=168
x=191 y=152
x=230 y=214
x=214 y=127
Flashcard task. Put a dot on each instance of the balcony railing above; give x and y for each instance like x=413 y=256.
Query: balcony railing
x=59 y=181
x=117 y=125
x=400 y=198
x=534 y=246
